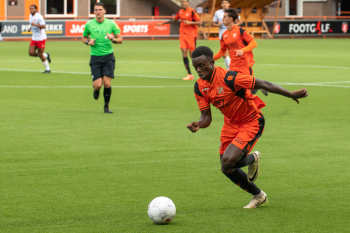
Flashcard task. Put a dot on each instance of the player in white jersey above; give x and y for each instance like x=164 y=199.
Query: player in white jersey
x=38 y=26
x=217 y=22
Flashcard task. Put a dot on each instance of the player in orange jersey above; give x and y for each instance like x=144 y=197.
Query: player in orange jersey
x=188 y=32
x=217 y=22
x=230 y=92
x=239 y=44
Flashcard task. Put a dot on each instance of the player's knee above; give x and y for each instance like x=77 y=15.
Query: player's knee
x=226 y=171
x=107 y=85
x=229 y=161
x=97 y=86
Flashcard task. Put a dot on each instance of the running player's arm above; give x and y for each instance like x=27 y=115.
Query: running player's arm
x=196 y=20
x=247 y=39
x=274 y=88
x=41 y=23
x=173 y=20
x=203 y=122
x=222 y=50
x=204 y=106
x=116 y=38
x=215 y=21
x=86 y=40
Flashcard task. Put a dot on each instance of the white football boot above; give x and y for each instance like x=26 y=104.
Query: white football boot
x=253 y=168
x=257 y=200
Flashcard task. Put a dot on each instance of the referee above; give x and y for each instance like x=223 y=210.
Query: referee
x=98 y=35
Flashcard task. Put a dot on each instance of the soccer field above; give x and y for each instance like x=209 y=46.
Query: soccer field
x=68 y=167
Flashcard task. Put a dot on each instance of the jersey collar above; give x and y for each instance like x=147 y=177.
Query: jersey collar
x=213 y=76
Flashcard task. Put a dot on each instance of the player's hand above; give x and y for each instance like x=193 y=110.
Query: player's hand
x=299 y=94
x=186 y=22
x=159 y=24
x=92 y=42
x=219 y=24
x=33 y=24
x=193 y=126
x=110 y=37
x=239 y=53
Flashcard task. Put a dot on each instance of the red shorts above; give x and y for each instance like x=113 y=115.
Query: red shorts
x=244 y=136
x=188 y=42
x=38 y=43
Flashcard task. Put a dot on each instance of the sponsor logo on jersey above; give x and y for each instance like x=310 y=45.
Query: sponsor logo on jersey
x=220 y=90
x=205 y=91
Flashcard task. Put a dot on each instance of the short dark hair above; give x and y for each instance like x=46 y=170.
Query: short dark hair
x=33 y=6
x=100 y=4
x=233 y=13
x=203 y=50
x=229 y=1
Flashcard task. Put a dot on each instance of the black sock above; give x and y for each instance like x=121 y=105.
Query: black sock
x=239 y=177
x=187 y=65
x=245 y=161
x=107 y=92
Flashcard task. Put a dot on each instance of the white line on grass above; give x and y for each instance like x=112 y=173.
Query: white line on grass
x=280 y=83
x=169 y=62
x=71 y=72
x=91 y=86
x=324 y=84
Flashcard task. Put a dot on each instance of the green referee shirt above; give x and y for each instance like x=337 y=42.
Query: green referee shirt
x=98 y=31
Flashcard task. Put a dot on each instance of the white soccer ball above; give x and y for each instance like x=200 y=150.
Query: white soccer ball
x=161 y=210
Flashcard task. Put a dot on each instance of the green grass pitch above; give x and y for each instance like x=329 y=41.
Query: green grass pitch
x=65 y=166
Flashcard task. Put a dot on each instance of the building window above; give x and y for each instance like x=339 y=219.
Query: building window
x=112 y=7
x=60 y=8
x=294 y=8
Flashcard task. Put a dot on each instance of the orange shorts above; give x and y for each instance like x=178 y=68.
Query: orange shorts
x=38 y=43
x=243 y=70
x=243 y=136
x=188 y=42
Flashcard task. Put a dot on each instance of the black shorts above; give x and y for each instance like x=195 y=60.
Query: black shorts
x=102 y=66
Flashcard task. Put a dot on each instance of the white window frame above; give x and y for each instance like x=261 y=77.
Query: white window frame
x=65 y=15
x=299 y=9
x=106 y=15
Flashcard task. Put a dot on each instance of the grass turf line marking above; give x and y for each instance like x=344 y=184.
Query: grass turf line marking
x=88 y=73
x=146 y=76
x=169 y=62
x=288 y=84
x=91 y=86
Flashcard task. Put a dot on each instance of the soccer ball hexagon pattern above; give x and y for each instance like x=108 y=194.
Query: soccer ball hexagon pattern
x=161 y=210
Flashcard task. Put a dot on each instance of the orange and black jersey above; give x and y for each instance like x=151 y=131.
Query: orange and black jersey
x=236 y=39
x=230 y=92
x=190 y=15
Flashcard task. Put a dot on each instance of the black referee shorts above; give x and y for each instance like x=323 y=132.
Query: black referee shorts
x=102 y=66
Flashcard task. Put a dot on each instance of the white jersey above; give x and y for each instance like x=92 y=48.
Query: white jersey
x=44 y=34
x=38 y=34
x=218 y=16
